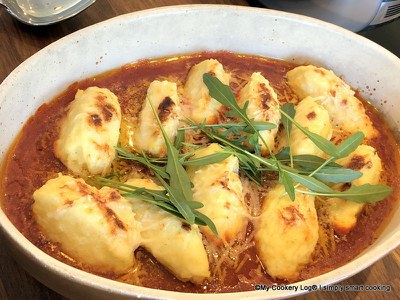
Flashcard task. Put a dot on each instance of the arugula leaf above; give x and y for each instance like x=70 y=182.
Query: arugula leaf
x=367 y=193
x=195 y=205
x=283 y=155
x=262 y=125
x=179 y=140
x=311 y=162
x=350 y=144
x=158 y=194
x=309 y=182
x=259 y=125
x=337 y=174
x=326 y=146
x=202 y=219
x=221 y=92
x=253 y=141
x=208 y=159
x=287 y=182
x=290 y=111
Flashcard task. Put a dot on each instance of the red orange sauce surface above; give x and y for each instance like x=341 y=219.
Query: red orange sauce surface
x=31 y=163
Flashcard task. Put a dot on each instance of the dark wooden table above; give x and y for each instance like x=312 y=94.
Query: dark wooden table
x=19 y=41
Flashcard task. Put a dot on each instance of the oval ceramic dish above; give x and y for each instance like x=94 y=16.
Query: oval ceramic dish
x=178 y=30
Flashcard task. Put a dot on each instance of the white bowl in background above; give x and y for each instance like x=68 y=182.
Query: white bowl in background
x=178 y=30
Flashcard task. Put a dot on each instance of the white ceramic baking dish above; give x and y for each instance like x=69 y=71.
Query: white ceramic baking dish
x=186 y=29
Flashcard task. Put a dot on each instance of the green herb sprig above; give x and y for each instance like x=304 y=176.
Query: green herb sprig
x=160 y=198
x=177 y=196
x=311 y=171
x=311 y=175
x=223 y=94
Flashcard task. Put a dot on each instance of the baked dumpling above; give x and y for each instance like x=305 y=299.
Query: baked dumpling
x=84 y=220
x=219 y=188
x=313 y=117
x=286 y=233
x=174 y=243
x=347 y=113
x=263 y=106
x=202 y=106
x=89 y=132
x=343 y=213
x=164 y=97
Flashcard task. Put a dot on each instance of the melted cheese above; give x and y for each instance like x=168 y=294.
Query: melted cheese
x=336 y=96
x=219 y=188
x=313 y=117
x=262 y=106
x=343 y=213
x=164 y=97
x=174 y=243
x=85 y=221
x=287 y=233
x=89 y=132
x=196 y=92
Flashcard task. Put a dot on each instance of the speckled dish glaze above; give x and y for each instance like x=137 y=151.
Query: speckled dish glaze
x=178 y=30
